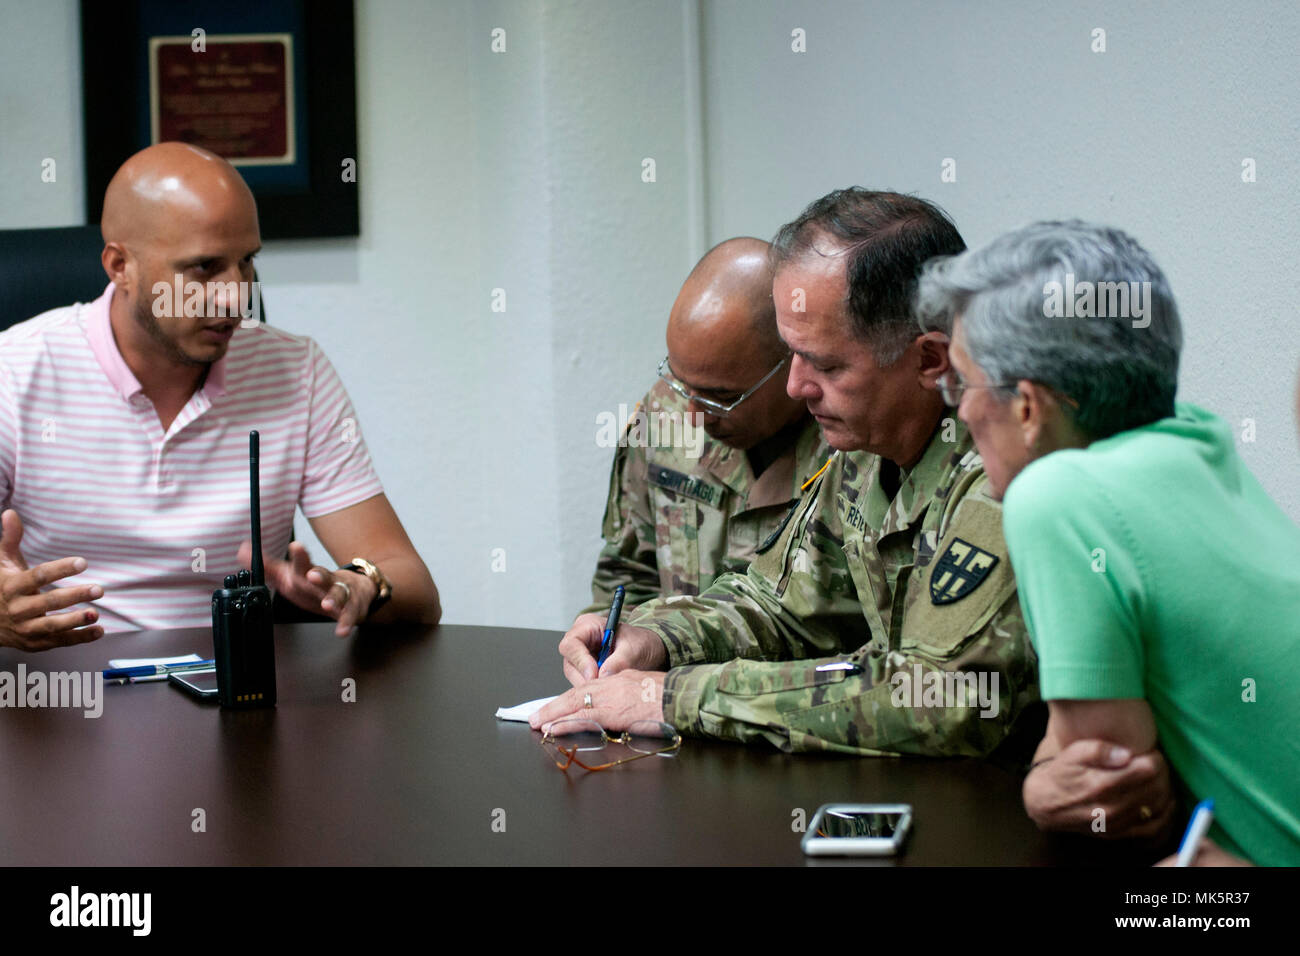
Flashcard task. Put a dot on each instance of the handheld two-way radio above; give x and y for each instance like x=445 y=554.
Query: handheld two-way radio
x=243 y=641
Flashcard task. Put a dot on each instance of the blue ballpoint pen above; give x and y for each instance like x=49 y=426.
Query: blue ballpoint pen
x=150 y=670
x=611 y=625
x=1199 y=825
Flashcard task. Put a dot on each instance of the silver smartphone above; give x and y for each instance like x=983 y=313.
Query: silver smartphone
x=858 y=829
x=200 y=684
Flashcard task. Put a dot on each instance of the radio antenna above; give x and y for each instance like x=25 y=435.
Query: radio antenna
x=255 y=508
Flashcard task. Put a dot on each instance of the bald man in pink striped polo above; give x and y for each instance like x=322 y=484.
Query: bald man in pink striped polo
x=124 y=435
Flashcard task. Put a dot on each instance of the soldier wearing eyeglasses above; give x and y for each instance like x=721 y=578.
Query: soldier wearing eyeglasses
x=884 y=618
x=687 y=506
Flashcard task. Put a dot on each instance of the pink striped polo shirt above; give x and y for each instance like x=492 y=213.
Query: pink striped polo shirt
x=159 y=517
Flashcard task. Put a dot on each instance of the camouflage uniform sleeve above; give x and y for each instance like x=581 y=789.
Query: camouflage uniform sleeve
x=795 y=600
x=628 y=527
x=951 y=679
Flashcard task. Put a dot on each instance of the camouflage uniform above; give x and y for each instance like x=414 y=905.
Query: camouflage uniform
x=922 y=581
x=675 y=523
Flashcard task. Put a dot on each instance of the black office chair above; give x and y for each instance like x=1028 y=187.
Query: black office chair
x=43 y=269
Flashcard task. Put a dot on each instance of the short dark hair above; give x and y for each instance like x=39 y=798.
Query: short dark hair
x=886 y=237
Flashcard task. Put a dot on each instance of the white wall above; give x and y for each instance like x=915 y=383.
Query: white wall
x=522 y=171
x=1148 y=136
x=40 y=115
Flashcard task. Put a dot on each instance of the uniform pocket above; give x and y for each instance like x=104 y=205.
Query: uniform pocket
x=611 y=523
x=756 y=678
x=678 y=519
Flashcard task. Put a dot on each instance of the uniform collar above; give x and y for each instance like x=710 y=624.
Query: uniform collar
x=781 y=481
x=930 y=478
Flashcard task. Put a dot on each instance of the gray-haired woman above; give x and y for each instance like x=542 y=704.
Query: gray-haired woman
x=1159 y=582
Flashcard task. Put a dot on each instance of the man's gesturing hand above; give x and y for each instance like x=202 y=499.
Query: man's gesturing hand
x=342 y=595
x=1133 y=792
x=634 y=647
x=25 y=621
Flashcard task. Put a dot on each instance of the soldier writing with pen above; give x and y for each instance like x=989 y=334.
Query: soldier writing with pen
x=893 y=562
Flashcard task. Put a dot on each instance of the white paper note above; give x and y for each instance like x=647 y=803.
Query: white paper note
x=521 y=712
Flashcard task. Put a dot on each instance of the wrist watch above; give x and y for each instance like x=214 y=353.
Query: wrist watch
x=384 y=587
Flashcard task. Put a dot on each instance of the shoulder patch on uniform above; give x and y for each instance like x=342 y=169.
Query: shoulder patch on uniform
x=960 y=571
x=686 y=485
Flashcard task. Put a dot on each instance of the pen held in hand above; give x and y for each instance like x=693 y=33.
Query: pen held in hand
x=611 y=625
x=1199 y=825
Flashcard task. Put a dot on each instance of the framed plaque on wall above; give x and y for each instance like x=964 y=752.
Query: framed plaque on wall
x=268 y=84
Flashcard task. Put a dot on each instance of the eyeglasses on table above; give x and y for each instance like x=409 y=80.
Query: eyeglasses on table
x=586 y=744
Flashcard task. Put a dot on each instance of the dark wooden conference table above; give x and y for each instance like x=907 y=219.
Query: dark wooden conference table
x=418 y=771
